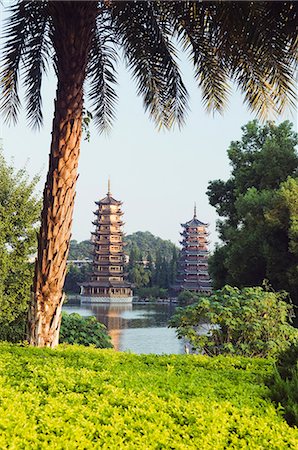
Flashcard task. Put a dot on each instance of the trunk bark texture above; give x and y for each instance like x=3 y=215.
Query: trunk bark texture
x=73 y=24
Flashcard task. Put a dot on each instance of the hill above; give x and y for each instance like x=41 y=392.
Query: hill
x=144 y=240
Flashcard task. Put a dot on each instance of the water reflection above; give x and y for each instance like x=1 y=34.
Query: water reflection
x=135 y=327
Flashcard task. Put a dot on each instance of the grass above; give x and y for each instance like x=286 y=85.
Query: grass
x=84 y=398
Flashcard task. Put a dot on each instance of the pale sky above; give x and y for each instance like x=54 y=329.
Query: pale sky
x=157 y=175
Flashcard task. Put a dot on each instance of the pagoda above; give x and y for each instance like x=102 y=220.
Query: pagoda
x=192 y=273
x=107 y=283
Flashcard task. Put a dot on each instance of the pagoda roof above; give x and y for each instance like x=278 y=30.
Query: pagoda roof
x=193 y=223
x=107 y=283
x=108 y=200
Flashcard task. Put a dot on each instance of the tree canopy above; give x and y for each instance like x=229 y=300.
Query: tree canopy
x=258 y=206
x=19 y=214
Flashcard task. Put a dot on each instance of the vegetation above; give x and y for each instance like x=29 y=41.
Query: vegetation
x=248 y=322
x=152 y=264
x=79 y=398
x=152 y=293
x=258 y=206
x=75 y=276
x=284 y=383
x=152 y=261
x=80 y=250
x=76 y=329
x=81 y=40
x=19 y=214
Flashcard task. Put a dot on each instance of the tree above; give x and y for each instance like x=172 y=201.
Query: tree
x=250 y=322
x=258 y=209
x=81 y=39
x=76 y=276
x=19 y=215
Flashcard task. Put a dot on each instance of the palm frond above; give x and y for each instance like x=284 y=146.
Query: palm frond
x=251 y=43
x=101 y=74
x=35 y=61
x=194 y=26
x=151 y=58
x=21 y=31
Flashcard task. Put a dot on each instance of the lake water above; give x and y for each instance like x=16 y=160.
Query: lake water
x=139 y=328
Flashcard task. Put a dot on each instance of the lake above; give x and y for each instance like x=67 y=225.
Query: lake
x=139 y=328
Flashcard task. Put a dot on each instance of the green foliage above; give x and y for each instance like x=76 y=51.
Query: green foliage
x=284 y=383
x=152 y=292
x=19 y=215
x=258 y=206
x=249 y=322
x=147 y=243
x=76 y=329
x=160 y=258
x=187 y=297
x=74 y=398
x=152 y=262
x=80 y=250
x=75 y=276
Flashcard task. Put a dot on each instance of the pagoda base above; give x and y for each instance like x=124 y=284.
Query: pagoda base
x=94 y=299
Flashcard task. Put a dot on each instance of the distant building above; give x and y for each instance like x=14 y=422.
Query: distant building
x=192 y=273
x=107 y=283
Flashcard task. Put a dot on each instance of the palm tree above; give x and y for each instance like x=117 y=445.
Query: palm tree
x=250 y=43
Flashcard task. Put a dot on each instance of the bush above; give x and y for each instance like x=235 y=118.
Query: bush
x=249 y=322
x=188 y=297
x=284 y=383
x=84 y=398
x=76 y=329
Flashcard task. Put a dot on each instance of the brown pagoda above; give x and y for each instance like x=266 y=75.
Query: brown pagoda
x=107 y=283
x=192 y=273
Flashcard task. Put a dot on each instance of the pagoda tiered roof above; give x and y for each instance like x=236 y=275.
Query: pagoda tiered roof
x=106 y=283
x=108 y=222
x=106 y=212
x=108 y=200
x=194 y=223
x=108 y=273
x=192 y=270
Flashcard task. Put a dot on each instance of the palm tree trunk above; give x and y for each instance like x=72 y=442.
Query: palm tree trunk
x=73 y=24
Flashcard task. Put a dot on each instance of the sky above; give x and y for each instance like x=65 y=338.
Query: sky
x=157 y=175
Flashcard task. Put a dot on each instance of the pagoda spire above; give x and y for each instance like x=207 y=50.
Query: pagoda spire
x=109 y=186
x=195 y=211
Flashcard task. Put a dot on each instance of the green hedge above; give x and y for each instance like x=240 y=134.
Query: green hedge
x=84 y=398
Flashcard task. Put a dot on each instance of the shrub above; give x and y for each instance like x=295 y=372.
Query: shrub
x=284 y=383
x=78 y=398
x=76 y=329
x=250 y=322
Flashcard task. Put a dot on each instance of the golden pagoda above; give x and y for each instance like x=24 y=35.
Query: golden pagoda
x=107 y=283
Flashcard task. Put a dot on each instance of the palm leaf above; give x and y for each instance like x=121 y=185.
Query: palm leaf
x=194 y=26
x=35 y=60
x=151 y=57
x=101 y=74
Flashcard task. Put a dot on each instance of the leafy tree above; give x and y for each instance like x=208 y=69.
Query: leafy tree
x=76 y=329
x=81 y=40
x=161 y=264
x=258 y=206
x=75 y=276
x=249 y=322
x=80 y=250
x=19 y=214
